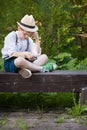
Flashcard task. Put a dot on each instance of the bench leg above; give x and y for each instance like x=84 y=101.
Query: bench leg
x=84 y=96
x=77 y=97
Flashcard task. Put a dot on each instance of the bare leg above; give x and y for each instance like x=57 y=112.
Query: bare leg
x=22 y=63
x=41 y=60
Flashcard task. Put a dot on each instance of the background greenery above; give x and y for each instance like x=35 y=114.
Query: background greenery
x=60 y=23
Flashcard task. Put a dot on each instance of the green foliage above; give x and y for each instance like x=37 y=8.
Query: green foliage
x=21 y=123
x=60 y=120
x=36 y=100
x=82 y=65
x=77 y=109
x=65 y=61
x=3 y=121
x=59 y=21
x=1 y=64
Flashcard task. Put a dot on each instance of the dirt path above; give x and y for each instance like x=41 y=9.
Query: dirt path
x=35 y=121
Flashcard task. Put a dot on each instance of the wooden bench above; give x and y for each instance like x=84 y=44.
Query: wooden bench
x=57 y=81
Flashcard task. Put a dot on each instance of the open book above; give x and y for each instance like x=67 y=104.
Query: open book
x=10 y=57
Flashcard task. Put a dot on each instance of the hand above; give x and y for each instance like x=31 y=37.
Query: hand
x=36 y=35
x=29 y=56
x=37 y=38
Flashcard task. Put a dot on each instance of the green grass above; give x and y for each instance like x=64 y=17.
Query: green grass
x=3 y=121
x=78 y=108
x=21 y=123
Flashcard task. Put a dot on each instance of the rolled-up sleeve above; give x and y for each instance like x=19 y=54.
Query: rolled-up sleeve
x=9 y=46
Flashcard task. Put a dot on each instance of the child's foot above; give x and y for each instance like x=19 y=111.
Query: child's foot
x=49 y=67
x=25 y=73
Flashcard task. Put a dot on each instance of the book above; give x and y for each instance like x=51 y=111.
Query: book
x=10 y=57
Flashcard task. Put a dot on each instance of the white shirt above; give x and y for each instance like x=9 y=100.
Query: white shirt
x=11 y=46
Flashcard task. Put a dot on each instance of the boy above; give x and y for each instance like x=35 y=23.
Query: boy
x=21 y=54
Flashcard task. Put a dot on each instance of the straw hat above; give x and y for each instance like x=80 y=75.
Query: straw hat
x=27 y=23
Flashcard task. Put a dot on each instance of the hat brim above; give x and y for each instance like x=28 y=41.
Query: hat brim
x=27 y=28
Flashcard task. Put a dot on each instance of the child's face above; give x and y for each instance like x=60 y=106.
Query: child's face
x=24 y=34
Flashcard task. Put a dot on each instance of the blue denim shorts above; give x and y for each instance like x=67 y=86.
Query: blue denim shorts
x=9 y=65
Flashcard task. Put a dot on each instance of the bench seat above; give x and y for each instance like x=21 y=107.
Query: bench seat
x=56 y=81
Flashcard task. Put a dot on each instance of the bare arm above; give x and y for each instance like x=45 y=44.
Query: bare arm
x=37 y=41
x=26 y=54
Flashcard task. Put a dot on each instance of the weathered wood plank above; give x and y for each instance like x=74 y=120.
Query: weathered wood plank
x=84 y=96
x=57 y=81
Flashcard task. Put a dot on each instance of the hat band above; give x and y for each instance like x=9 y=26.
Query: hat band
x=27 y=25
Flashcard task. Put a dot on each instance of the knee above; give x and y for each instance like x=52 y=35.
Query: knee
x=45 y=57
x=19 y=61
